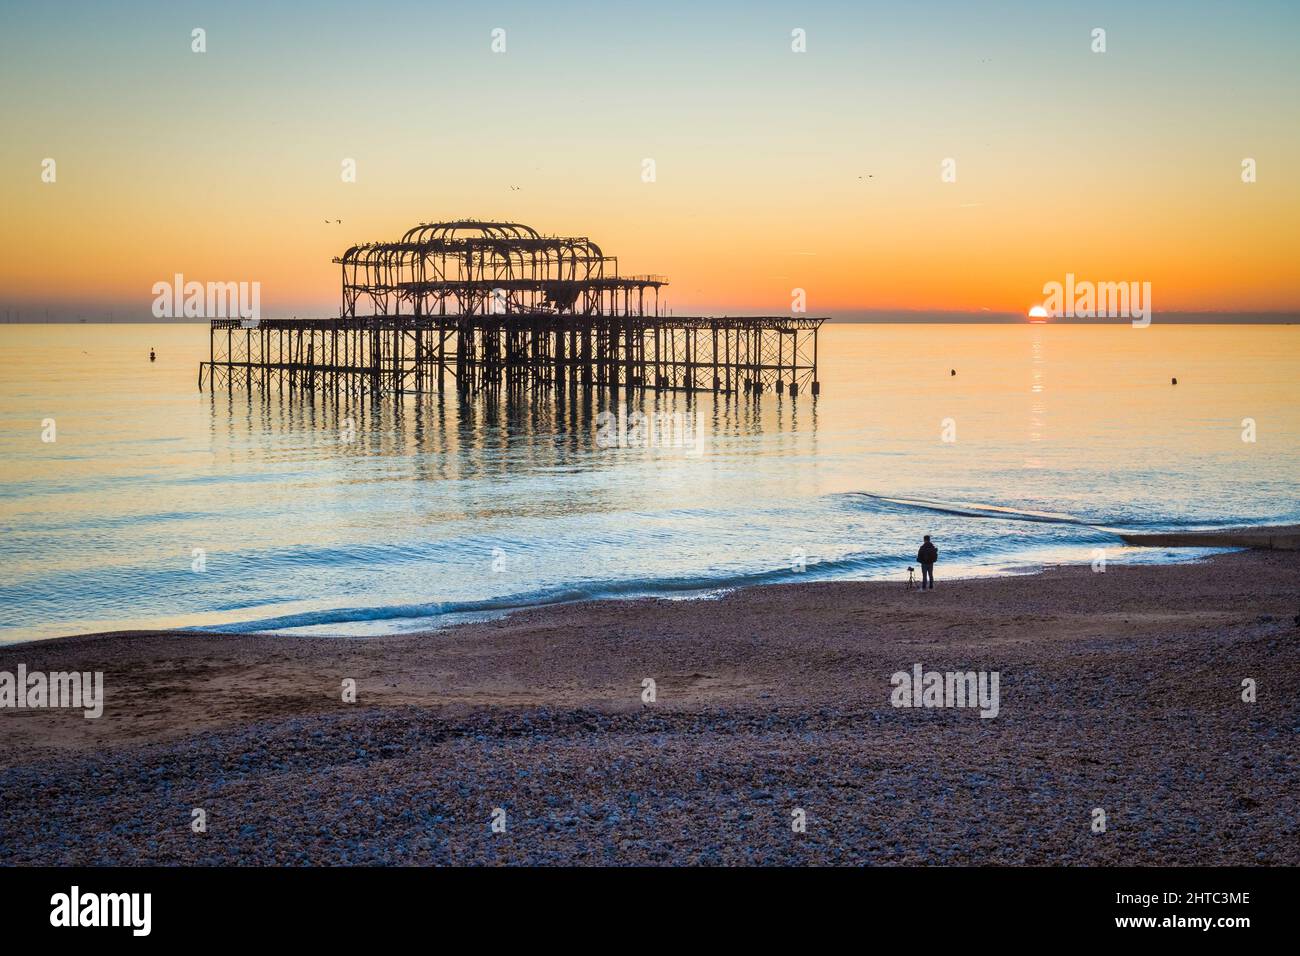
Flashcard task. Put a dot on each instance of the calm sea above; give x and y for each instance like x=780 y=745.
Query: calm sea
x=160 y=506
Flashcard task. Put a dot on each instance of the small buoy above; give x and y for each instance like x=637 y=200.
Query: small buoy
x=151 y=355
x=1173 y=381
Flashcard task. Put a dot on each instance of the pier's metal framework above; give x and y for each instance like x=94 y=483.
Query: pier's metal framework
x=477 y=306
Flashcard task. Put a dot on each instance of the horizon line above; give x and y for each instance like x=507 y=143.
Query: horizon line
x=832 y=316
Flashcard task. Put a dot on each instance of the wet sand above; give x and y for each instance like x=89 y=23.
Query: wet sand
x=1275 y=537
x=1119 y=691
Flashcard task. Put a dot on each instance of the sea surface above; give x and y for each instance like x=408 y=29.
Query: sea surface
x=157 y=505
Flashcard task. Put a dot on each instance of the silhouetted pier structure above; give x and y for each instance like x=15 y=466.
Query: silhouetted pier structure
x=476 y=306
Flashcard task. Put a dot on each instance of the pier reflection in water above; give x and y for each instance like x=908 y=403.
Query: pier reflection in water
x=503 y=501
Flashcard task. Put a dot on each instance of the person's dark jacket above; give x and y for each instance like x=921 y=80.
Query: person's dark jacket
x=928 y=554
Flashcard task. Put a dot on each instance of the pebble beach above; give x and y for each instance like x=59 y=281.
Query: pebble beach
x=770 y=737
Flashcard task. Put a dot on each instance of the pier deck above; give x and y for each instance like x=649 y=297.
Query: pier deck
x=394 y=355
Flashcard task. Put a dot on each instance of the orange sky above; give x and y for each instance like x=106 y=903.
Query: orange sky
x=775 y=170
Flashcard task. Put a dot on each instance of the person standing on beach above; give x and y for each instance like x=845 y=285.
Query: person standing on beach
x=926 y=556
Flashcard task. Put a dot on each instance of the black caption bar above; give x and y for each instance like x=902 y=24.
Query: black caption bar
x=141 y=906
